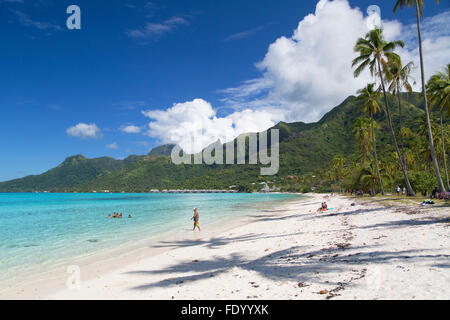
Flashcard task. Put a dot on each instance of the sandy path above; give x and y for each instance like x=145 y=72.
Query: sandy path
x=366 y=251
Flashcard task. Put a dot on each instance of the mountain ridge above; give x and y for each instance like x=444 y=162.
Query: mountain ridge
x=304 y=147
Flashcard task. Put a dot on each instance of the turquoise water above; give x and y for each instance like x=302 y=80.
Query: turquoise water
x=39 y=229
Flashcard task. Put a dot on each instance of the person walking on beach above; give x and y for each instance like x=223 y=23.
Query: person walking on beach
x=195 y=218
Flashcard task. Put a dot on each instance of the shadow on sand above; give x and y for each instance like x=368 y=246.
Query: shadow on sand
x=293 y=263
x=288 y=264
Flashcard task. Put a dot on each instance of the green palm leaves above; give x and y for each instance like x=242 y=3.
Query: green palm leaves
x=368 y=98
x=419 y=5
x=409 y=3
x=398 y=76
x=375 y=53
x=362 y=133
x=438 y=92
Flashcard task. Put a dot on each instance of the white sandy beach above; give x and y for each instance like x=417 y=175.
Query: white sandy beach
x=366 y=251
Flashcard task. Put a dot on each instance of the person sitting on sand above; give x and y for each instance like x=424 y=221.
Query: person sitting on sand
x=120 y=216
x=129 y=216
x=323 y=207
x=109 y=216
x=195 y=218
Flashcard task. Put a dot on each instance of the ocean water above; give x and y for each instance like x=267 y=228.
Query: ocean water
x=38 y=230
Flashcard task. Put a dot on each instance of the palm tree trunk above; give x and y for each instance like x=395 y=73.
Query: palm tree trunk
x=376 y=157
x=400 y=121
x=430 y=135
x=409 y=189
x=443 y=154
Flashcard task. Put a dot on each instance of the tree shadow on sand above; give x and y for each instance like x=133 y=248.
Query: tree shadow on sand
x=333 y=213
x=216 y=242
x=288 y=264
x=408 y=223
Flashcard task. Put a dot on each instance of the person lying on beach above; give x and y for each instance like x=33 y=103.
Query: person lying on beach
x=323 y=207
x=426 y=202
x=195 y=218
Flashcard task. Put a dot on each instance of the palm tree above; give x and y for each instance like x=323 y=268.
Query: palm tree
x=419 y=10
x=368 y=97
x=361 y=130
x=390 y=170
x=338 y=167
x=398 y=77
x=368 y=176
x=375 y=51
x=438 y=91
x=424 y=146
x=406 y=132
x=409 y=158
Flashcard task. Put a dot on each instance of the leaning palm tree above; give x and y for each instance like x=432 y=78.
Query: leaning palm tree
x=398 y=76
x=438 y=91
x=374 y=51
x=368 y=97
x=419 y=10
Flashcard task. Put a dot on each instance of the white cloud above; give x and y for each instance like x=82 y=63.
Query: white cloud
x=112 y=146
x=131 y=129
x=307 y=74
x=243 y=34
x=27 y=21
x=83 y=130
x=302 y=76
x=152 y=31
x=197 y=120
x=435 y=45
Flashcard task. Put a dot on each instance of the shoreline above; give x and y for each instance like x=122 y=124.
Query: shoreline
x=374 y=249
x=105 y=261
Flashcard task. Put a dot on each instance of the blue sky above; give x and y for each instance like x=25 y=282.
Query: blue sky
x=95 y=91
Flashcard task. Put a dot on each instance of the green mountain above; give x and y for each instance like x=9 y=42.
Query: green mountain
x=71 y=172
x=164 y=150
x=304 y=147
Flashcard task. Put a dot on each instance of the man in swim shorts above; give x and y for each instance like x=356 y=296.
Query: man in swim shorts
x=195 y=218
